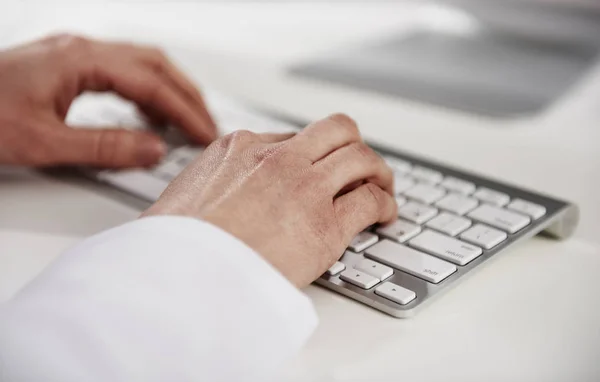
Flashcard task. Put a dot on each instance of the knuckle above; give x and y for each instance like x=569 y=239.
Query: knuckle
x=365 y=152
x=68 y=41
x=268 y=156
x=241 y=136
x=235 y=138
x=343 y=121
x=157 y=55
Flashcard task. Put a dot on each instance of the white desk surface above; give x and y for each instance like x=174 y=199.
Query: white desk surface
x=532 y=315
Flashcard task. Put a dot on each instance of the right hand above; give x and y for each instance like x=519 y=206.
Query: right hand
x=298 y=200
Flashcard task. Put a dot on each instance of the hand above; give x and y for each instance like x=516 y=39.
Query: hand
x=39 y=81
x=298 y=200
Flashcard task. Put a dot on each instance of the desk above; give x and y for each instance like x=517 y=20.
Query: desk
x=532 y=315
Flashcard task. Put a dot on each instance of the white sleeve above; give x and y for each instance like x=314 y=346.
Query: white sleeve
x=158 y=299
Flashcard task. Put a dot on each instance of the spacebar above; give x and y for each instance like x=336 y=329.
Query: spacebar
x=410 y=261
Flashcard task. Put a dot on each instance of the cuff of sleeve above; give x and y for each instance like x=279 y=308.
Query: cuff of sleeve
x=194 y=287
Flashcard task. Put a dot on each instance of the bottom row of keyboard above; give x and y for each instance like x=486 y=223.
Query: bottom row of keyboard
x=368 y=273
x=381 y=258
x=388 y=290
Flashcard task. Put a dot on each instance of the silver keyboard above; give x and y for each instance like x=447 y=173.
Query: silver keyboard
x=449 y=223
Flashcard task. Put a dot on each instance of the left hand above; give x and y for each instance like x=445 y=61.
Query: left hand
x=39 y=81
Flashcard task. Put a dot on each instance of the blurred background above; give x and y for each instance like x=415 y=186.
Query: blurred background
x=496 y=58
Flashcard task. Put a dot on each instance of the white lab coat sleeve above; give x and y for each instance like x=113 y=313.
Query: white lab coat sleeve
x=158 y=299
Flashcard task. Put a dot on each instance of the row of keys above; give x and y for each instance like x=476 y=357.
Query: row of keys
x=460 y=203
x=402 y=231
x=502 y=218
x=368 y=273
x=420 y=183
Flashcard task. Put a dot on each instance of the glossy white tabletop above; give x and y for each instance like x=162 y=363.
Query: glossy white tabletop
x=531 y=315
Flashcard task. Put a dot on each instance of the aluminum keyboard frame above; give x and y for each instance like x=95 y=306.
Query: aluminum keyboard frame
x=559 y=222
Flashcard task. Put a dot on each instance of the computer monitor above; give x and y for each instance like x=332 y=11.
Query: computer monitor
x=500 y=59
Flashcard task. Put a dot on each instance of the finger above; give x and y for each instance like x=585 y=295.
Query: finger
x=353 y=163
x=322 y=137
x=152 y=117
x=350 y=187
x=151 y=91
x=363 y=207
x=107 y=148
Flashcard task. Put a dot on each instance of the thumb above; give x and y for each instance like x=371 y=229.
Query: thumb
x=112 y=148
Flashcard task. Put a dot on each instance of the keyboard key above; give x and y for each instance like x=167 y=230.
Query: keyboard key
x=168 y=170
x=401 y=200
x=449 y=224
x=427 y=175
x=416 y=212
x=402 y=183
x=399 y=231
x=336 y=268
x=185 y=155
x=358 y=278
x=458 y=185
x=362 y=241
x=398 y=165
x=374 y=269
x=531 y=209
x=425 y=193
x=395 y=293
x=446 y=247
x=410 y=261
x=459 y=204
x=484 y=236
x=500 y=218
x=490 y=196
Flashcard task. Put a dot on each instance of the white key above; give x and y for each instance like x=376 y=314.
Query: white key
x=185 y=155
x=138 y=182
x=401 y=200
x=395 y=293
x=459 y=204
x=402 y=183
x=375 y=269
x=168 y=170
x=398 y=165
x=458 y=185
x=449 y=224
x=490 y=196
x=531 y=209
x=427 y=175
x=399 y=231
x=358 y=278
x=446 y=247
x=336 y=268
x=411 y=261
x=416 y=212
x=362 y=241
x=500 y=218
x=425 y=193
x=484 y=236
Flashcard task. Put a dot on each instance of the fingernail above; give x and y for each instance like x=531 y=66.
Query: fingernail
x=151 y=151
